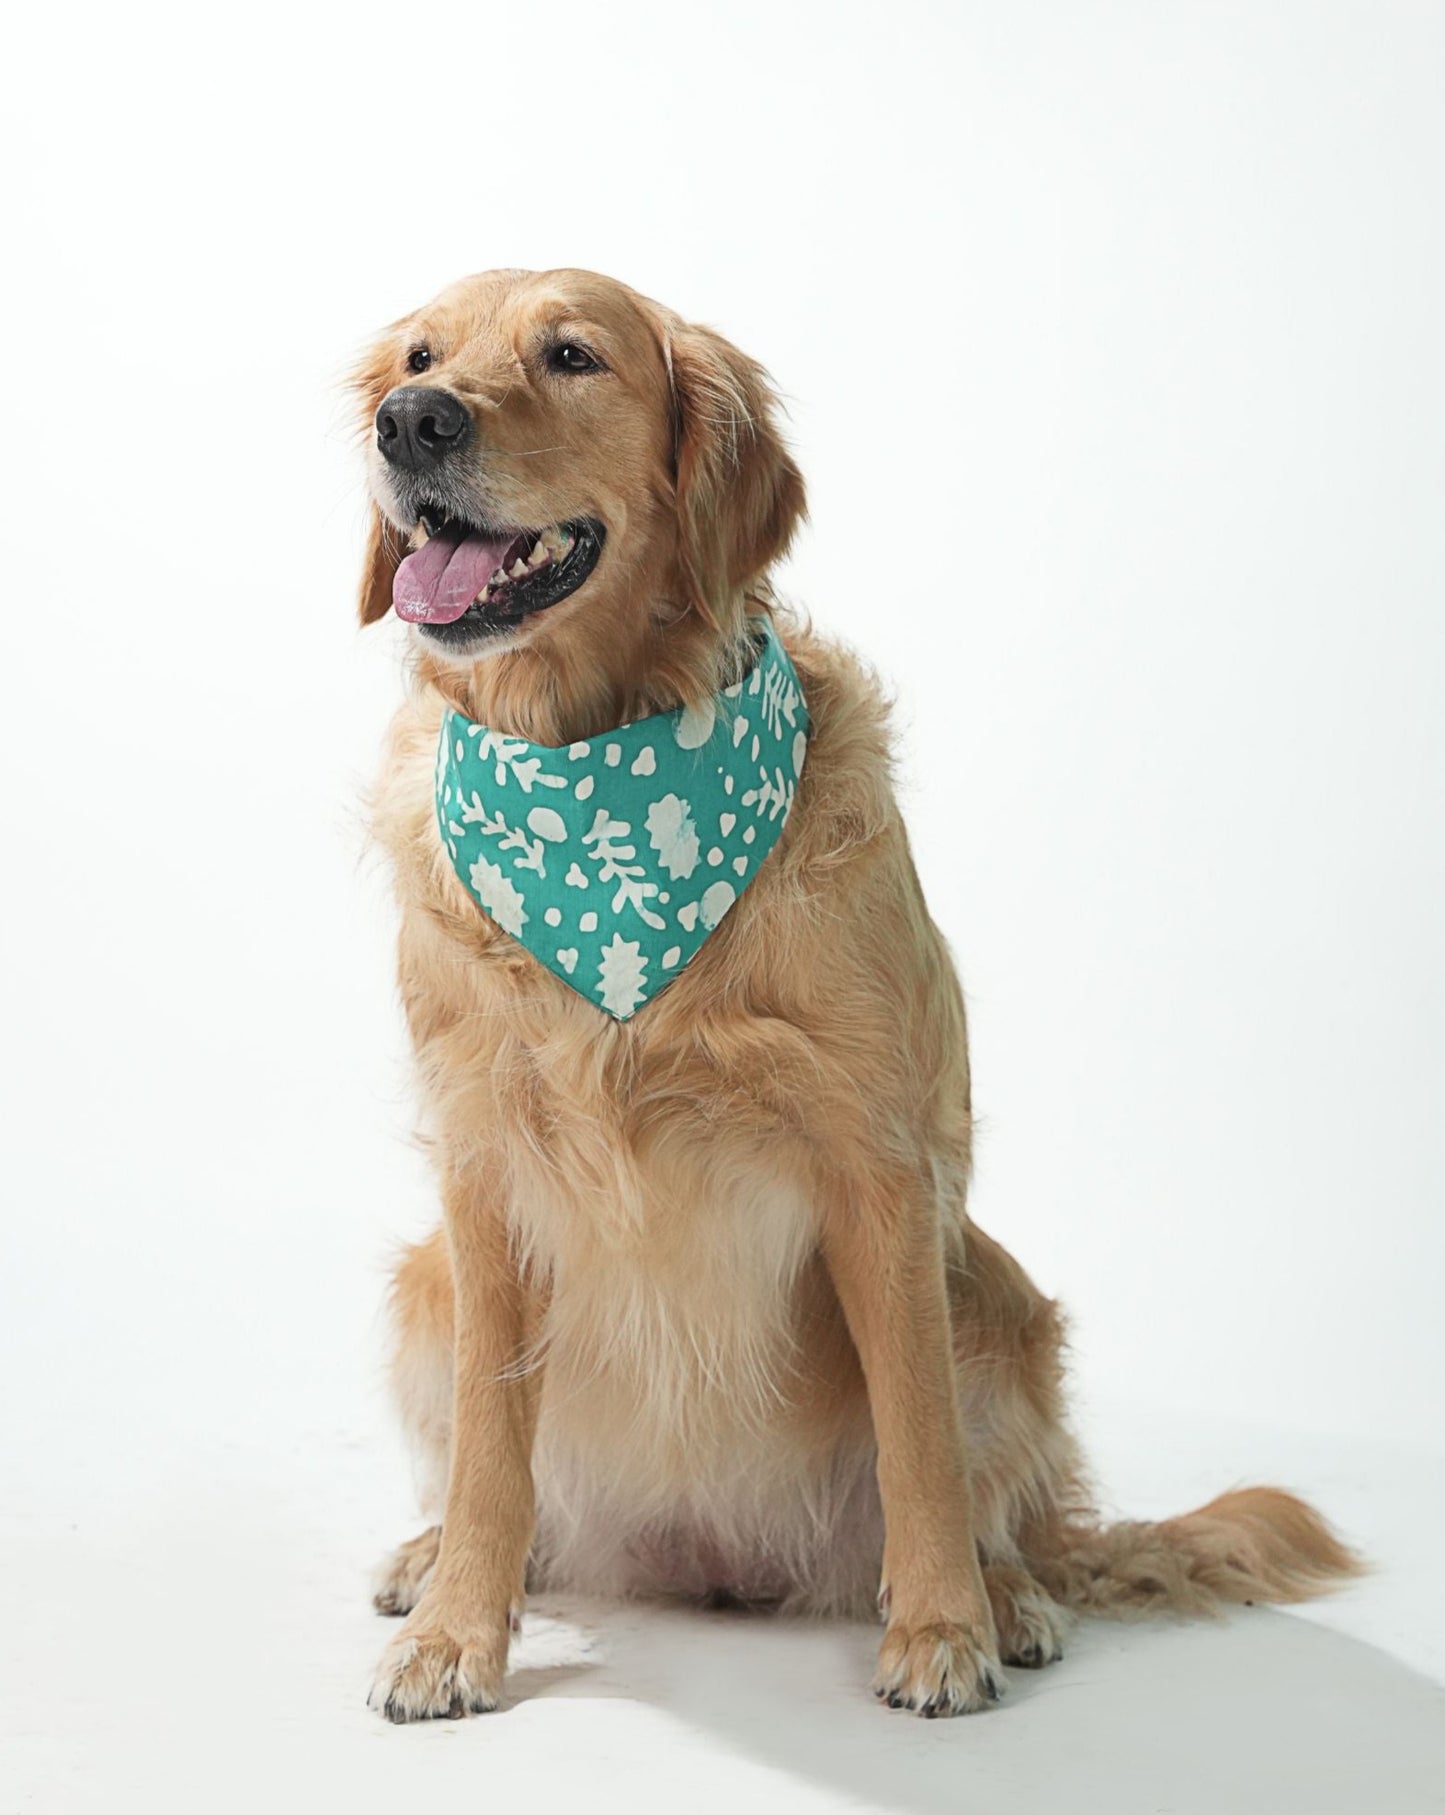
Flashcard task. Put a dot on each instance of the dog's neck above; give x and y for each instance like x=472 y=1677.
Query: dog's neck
x=557 y=689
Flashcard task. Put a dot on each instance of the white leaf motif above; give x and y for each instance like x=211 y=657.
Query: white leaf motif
x=672 y=834
x=780 y=701
x=507 y=754
x=772 y=796
x=617 y=866
x=716 y=900
x=511 y=838
x=499 y=896
x=623 y=976
x=694 y=725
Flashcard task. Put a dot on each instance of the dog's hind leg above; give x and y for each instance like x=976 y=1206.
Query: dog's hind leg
x=402 y=1576
x=1008 y=1343
x=1031 y=1624
x=881 y=1245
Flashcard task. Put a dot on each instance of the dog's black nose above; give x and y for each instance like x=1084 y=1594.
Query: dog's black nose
x=416 y=426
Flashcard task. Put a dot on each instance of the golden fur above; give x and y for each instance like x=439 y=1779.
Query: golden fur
x=707 y=1314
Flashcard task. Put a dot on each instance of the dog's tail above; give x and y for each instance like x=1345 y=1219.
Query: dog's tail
x=1254 y=1544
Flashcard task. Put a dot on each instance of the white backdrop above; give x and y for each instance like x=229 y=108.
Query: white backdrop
x=1121 y=319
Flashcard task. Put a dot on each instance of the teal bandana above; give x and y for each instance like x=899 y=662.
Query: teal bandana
x=612 y=859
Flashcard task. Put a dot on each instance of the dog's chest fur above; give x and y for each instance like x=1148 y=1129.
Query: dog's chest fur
x=680 y=1246
x=689 y=1425
x=673 y=1223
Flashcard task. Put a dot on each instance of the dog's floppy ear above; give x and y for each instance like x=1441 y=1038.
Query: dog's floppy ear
x=384 y=550
x=739 y=495
x=368 y=382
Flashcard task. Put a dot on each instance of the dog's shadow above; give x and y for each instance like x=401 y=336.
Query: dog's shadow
x=1259 y=1712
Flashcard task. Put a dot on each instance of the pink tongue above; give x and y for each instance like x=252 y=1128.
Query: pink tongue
x=437 y=583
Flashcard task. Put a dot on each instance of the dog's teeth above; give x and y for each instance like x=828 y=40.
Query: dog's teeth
x=519 y=568
x=538 y=554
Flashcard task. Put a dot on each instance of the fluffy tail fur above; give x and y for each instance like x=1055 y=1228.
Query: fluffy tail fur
x=1255 y=1544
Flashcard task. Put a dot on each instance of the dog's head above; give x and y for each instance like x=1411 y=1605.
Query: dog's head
x=554 y=457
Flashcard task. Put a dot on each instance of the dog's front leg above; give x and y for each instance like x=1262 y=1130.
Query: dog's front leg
x=450 y=1656
x=882 y=1243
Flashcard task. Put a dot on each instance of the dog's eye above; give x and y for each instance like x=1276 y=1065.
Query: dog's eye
x=569 y=357
x=418 y=359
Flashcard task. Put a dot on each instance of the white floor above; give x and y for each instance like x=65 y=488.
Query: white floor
x=196 y=1636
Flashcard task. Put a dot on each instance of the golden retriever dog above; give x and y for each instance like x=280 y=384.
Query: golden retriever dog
x=705 y=1315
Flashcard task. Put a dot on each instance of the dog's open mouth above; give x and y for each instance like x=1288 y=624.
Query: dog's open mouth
x=465 y=582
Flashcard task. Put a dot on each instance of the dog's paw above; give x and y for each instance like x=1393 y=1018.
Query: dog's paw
x=1031 y=1624
x=936 y=1669
x=428 y=1673
x=398 y=1584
